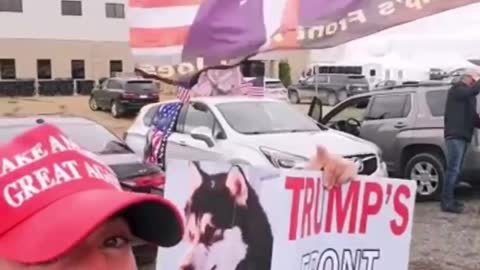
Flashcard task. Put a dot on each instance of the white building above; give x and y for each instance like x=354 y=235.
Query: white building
x=78 y=39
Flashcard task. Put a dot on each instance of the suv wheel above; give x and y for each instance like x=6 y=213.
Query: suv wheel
x=115 y=109
x=92 y=103
x=342 y=95
x=293 y=97
x=332 y=99
x=428 y=171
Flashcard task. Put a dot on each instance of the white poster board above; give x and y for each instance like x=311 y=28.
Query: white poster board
x=255 y=218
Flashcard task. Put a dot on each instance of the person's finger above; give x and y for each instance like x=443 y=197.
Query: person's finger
x=339 y=166
x=318 y=161
x=349 y=172
x=328 y=177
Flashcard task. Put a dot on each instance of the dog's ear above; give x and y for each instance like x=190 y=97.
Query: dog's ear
x=195 y=175
x=237 y=184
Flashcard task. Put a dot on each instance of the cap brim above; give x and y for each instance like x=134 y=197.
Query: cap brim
x=59 y=227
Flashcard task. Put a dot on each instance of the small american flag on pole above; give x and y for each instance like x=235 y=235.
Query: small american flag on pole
x=183 y=94
x=163 y=124
x=254 y=88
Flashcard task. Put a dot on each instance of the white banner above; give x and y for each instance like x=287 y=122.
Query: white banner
x=255 y=218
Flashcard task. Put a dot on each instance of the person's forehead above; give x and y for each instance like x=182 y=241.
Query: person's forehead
x=472 y=73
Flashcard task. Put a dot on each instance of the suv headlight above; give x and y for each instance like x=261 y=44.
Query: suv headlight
x=283 y=160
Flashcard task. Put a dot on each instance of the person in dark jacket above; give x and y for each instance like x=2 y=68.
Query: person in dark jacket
x=460 y=120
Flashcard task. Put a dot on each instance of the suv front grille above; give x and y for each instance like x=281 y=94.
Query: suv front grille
x=367 y=163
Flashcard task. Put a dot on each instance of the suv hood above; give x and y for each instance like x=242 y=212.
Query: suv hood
x=303 y=144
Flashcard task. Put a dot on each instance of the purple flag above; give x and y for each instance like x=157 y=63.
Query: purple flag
x=224 y=29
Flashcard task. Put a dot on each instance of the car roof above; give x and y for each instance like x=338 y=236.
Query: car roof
x=220 y=100
x=405 y=89
x=130 y=79
x=54 y=119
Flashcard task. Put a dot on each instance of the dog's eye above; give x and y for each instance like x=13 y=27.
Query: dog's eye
x=187 y=208
x=191 y=236
x=208 y=236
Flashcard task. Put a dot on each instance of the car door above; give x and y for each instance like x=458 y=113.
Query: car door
x=307 y=88
x=355 y=108
x=100 y=94
x=114 y=90
x=181 y=145
x=387 y=116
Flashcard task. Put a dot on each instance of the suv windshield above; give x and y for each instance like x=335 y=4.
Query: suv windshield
x=357 y=79
x=140 y=86
x=92 y=137
x=265 y=117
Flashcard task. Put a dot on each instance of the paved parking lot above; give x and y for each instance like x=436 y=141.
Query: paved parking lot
x=439 y=242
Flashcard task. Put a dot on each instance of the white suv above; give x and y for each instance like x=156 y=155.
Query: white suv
x=256 y=131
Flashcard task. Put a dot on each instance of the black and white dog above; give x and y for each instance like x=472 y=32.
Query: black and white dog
x=226 y=227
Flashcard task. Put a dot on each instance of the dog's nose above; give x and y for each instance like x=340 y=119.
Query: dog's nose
x=187 y=267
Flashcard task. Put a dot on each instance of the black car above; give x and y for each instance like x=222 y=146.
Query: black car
x=331 y=88
x=123 y=95
x=134 y=174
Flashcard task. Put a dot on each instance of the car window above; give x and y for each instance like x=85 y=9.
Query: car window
x=196 y=118
x=436 y=102
x=357 y=79
x=309 y=80
x=322 y=79
x=140 y=86
x=114 y=84
x=356 y=110
x=149 y=115
x=274 y=84
x=109 y=84
x=268 y=117
x=389 y=106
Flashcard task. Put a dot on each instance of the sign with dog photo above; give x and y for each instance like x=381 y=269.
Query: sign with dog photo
x=241 y=217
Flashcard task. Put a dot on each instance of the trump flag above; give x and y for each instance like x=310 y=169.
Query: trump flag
x=175 y=31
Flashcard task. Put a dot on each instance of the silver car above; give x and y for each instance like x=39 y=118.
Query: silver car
x=407 y=124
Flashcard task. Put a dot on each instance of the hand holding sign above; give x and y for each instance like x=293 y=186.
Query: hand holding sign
x=337 y=170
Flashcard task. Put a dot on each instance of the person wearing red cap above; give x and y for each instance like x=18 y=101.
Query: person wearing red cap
x=61 y=208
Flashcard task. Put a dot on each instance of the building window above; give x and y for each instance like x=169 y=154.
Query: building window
x=115 y=66
x=11 y=5
x=44 y=69
x=71 y=8
x=78 y=69
x=7 y=69
x=115 y=10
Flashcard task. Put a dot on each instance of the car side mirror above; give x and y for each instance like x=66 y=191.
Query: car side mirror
x=316 y=110
x=203 y=134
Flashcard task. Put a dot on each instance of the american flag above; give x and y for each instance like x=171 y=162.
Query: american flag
x=183 y=94
x=255 y=87
x=162 y=127
x=159 y=28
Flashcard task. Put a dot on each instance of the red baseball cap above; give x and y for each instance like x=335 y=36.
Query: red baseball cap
x=53 y=195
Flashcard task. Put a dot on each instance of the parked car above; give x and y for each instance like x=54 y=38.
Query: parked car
x=256 y=131
x=386 y=85
x=123 y=95
x=332 y=88
x=407 y=124
x=274 y=88
x=133 y=173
